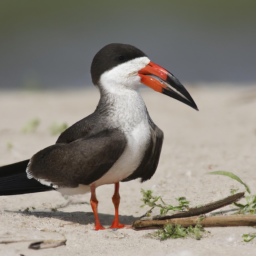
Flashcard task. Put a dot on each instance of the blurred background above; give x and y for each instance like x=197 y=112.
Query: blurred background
x=51 y=43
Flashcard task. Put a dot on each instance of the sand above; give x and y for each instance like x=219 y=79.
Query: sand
x=221 y=136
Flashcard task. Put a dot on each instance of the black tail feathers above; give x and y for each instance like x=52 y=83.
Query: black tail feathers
x=14 y=181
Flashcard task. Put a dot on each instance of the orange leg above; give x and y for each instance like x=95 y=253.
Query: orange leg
x=94 y=204
x=116 y=201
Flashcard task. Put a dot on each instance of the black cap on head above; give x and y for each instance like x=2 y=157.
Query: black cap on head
x=110 y=56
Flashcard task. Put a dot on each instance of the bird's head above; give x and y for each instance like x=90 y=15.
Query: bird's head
x=118 y=66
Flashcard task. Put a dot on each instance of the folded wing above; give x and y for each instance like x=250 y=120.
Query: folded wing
x=82 y=161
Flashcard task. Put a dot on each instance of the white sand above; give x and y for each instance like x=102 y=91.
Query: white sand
x=221 y=136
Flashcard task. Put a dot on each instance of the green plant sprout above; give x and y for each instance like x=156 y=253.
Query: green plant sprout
x=250 y=206
x=249 y=237
x=177 y=231
x=9 y=146
x=31 y=125
x=169 y=230
x=57 y=128
x=233 y=190
x=151 y=201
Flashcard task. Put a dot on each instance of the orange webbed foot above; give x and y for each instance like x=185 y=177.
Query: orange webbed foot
x=99 y=227
x=116 y=226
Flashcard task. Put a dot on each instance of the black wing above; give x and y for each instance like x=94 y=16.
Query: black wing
x=85 y=127
x=150 y=160
x=80 y=162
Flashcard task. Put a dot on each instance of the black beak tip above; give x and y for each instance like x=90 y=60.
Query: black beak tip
x=174 y=82
x=194 y=106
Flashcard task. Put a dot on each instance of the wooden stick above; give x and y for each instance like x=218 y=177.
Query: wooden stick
x=200 y=210
x=212 y=221
x=47 y=244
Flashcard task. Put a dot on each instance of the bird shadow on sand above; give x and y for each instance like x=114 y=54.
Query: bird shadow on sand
x=82 y=218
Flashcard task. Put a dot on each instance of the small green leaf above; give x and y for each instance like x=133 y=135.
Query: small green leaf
x=156 y=199
x=9 y=145
x=239 y=205
x=31 y=125
x=162 y=201
x=248 y=199
x=249 y=236
x=233 y=191
x=182 y=198
x=232 y=176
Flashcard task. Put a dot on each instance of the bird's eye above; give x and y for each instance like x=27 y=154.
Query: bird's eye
x=121 y=57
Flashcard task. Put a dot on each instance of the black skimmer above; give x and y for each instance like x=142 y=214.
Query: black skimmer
x=118 y=142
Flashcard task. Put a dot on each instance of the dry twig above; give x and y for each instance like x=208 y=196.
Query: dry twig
x=211 y=221
x=200 y=210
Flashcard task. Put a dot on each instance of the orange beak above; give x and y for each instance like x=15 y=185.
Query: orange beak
x=161 y=80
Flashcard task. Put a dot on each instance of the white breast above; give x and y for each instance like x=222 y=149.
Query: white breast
x=137 y=142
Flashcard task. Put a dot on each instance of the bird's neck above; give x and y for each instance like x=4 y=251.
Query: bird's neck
x=124 y=108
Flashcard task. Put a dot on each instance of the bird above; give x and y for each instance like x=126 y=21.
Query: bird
x=118 y=142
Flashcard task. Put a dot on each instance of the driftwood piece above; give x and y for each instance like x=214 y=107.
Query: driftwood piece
x=211 y=221
x=14 y=241
x=46 y=244
x=200 y=210
x=36 y=245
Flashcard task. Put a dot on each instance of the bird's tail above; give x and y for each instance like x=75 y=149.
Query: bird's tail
x=14 y=181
